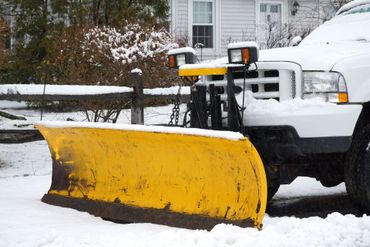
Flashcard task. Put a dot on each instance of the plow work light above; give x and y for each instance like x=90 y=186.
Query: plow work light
x=243 y=53
x=181 y=56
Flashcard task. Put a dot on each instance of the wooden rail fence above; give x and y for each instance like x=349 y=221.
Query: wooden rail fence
x=136 y=95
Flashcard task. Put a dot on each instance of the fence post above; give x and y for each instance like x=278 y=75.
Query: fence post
x=137 y=101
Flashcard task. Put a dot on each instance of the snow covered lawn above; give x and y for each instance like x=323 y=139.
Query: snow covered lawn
x=25 y=174
x=26 y=221
x=153 y=115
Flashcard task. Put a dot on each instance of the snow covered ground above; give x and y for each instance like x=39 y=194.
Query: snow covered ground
x=153 y=115
x=25 y=221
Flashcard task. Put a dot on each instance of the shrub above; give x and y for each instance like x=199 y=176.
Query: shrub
x=106 y=56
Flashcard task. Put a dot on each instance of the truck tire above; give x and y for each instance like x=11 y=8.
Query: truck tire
x=357 y=169
x=273 y=183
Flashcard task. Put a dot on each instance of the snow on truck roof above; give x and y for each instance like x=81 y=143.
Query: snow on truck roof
x=348 y=26
x=352 y=5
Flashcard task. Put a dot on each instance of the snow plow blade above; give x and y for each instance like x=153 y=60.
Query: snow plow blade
x=189 y=178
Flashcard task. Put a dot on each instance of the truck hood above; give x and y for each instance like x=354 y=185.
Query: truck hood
x=316 y=56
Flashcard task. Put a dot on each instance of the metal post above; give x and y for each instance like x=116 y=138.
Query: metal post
x=216 y=117
x=233 y=116
x=137 y=101
x=43 y=92
x=194 y=122
x=199 y=108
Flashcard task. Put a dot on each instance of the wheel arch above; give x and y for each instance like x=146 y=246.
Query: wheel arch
x=364 y=117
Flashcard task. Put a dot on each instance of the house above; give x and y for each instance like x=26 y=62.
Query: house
x=213 y=24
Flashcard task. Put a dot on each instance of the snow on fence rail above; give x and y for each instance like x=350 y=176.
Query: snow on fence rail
x=34 y=92
x=136 y=94
x=37 y=92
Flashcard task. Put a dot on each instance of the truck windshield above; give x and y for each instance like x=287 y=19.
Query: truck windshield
x=364 y=8
x=352 y=25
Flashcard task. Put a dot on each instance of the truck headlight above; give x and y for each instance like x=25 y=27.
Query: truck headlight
x=329 y=86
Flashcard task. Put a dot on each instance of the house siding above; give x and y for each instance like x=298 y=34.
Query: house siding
x=237 y=22
x=309 y=16
x=180 y=19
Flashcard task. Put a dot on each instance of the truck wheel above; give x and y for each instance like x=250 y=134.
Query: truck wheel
x=357 y=169
x=273 y=183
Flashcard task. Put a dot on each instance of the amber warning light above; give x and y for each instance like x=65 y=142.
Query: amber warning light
x=172 y=61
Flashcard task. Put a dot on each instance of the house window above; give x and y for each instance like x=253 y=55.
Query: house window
x=263 y=8
x=269 y=22
x=203 y=24
x=275 y=8
x=270 y=13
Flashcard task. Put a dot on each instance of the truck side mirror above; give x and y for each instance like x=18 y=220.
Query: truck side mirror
x=296 y=40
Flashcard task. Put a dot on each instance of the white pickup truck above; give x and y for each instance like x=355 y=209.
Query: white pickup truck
x=306 y=108
x=318 y=121
x=328 y=141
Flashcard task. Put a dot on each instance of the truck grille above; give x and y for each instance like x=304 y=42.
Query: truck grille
x=275 y=80
x=272 y=80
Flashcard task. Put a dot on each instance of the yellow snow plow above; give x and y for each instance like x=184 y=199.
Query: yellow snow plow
x=181 y=177
x=192 y=177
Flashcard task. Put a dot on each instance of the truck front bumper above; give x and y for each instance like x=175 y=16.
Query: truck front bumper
x=308 y=131
x=283 y=142
x=314 y=121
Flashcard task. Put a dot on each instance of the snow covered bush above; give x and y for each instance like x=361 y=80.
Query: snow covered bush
x=275 y=35
x=106 y=56
x=133 y=45
x=3 y=61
